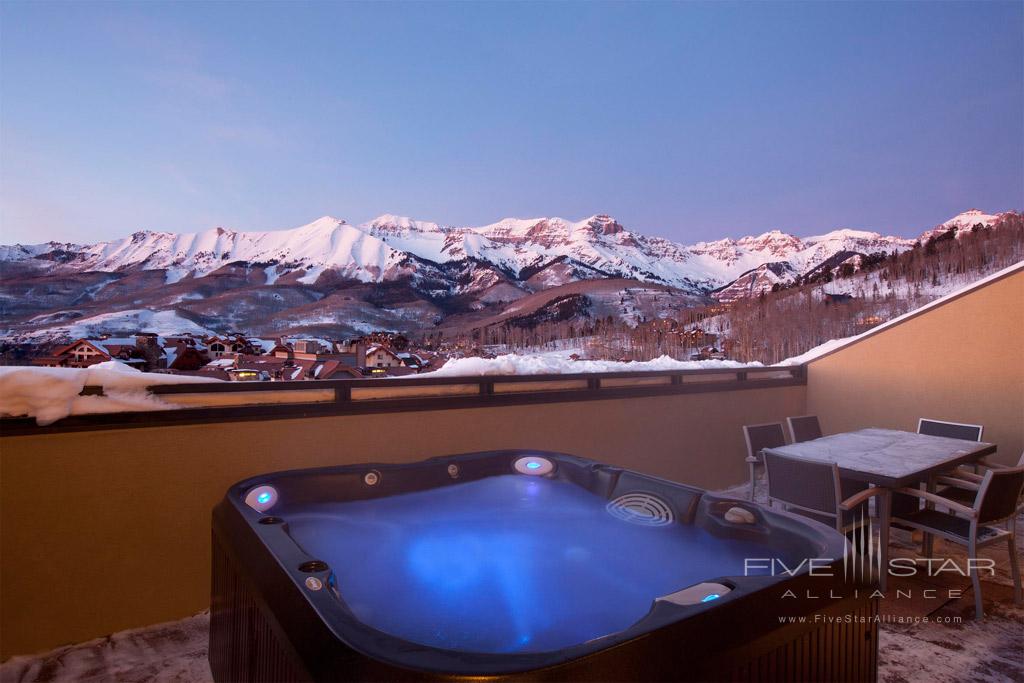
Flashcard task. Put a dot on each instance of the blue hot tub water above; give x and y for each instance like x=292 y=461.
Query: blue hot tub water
x=505 y=564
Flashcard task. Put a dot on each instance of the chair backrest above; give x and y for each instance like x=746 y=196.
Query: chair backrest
x=999 y=494
x=952 y=430
x=804 y=428
x=803 y=483
x=770 y=435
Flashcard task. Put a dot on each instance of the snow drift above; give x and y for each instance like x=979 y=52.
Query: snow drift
x=558 y=363
x=50 y=394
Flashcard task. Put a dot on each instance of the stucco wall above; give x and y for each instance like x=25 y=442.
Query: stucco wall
x=107 y=530
x=961 y=361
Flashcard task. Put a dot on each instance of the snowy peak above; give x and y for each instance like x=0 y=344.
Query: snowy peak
x=846 y=234
x=525 y=229
x=963 y=222
x=399 y=225
x=972 y=217
x=774 y=242
x=754 y=282
x=603 y=224
x=324 y=223
x=549 y=229
x=743 y=257
x=326 y=242
x=855 y=240
x=769 y=237
x=23 y=252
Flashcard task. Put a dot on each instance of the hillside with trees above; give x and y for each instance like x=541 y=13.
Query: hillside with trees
x=852 y=299
x=833 y=302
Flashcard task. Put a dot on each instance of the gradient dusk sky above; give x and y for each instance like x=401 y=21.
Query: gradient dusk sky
x=689 y=121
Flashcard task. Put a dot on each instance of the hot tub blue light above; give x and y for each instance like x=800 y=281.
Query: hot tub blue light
x=261 y=498
x=710 y=596
x=533 y=466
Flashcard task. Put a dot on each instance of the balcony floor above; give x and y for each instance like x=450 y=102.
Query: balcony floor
x=987 y=651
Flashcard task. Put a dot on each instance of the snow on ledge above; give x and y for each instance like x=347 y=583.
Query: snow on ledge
x=50 y=394
x=833 y=344
x=559 y=363
x=820 y=350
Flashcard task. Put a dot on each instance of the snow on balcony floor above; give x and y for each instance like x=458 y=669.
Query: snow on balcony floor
x=985 y=651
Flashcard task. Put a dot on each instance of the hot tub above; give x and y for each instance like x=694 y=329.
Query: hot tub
x=523 y=564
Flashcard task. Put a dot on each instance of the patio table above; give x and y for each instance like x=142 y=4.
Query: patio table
x=889 y=459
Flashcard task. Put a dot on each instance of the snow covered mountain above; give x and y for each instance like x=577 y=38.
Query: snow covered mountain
x=393 y=247
x=424 y=270
x=963 y=222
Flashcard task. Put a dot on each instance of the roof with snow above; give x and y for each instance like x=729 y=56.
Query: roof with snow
x=117 y=341
x=95 y=343
x=266 y=345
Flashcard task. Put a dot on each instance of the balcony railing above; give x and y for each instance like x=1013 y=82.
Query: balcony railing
x=239 y=401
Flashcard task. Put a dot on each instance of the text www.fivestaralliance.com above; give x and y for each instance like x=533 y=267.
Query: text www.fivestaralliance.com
x=879 y=618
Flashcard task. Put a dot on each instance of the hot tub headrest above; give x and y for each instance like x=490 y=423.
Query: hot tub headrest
x=682 y=498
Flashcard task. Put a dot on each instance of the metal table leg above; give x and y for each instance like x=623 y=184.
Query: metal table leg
x=884 y=519
x=928 y=540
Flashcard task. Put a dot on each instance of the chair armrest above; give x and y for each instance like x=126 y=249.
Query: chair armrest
x=959 y=483
x=954 y=506
x=966 y=474
x=993 y=465
x=858 y=498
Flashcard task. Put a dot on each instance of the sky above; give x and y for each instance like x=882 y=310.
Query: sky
x=690 y=121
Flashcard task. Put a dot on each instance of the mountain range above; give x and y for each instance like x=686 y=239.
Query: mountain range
x=335 y=278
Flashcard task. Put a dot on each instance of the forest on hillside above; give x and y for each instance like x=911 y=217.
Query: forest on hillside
x=791 y=321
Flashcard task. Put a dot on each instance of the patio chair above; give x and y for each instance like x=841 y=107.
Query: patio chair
x=997 y=500
x=814 y=489
x=964 y=482
x=807 y=428
x=953 y=430
x=804 y=428
x=759 y=437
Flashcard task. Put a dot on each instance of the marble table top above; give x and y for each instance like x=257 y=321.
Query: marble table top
x=887 y=456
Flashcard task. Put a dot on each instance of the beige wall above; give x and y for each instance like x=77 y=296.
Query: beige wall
x=108 y=530
x=962 y=361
